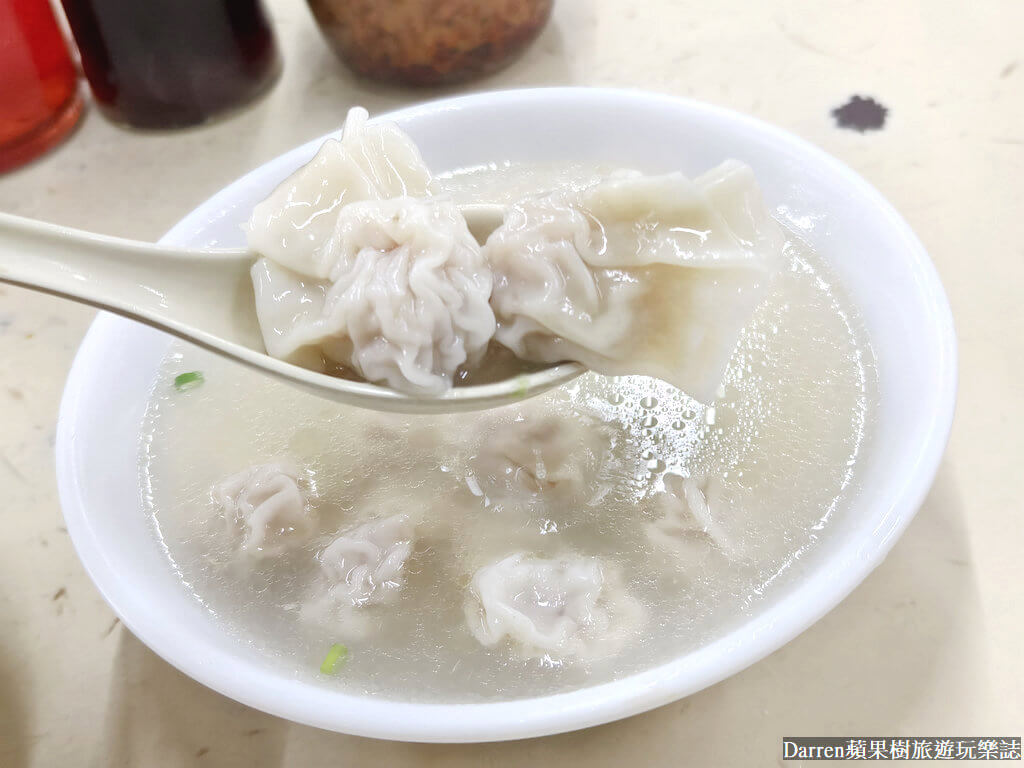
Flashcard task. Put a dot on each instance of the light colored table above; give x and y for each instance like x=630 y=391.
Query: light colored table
x=929 y=645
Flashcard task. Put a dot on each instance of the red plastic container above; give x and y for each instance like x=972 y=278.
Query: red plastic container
x=40 y=100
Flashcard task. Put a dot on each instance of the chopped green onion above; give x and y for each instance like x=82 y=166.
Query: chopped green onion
x=522 y=385
x=334 y=658
x=189 y=380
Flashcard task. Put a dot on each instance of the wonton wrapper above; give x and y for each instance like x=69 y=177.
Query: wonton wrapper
x=650 y=275
x=295 y=226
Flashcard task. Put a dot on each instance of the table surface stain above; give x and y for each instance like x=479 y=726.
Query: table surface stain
x=861 y=114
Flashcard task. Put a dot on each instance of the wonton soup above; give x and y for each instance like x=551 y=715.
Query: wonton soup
x=594 y=531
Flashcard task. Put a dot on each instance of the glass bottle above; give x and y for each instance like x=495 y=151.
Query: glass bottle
x=170 y=63
x=40 y=101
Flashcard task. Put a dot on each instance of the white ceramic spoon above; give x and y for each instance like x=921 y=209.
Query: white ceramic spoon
x=206 y=297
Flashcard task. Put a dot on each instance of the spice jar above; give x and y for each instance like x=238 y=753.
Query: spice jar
x=429 y=42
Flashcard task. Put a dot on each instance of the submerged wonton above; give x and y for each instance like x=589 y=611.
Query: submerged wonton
x=688 y=525
x=565 y=608
x=270 y=505
x=364 y=565
x=543 y=457
x=652 y=275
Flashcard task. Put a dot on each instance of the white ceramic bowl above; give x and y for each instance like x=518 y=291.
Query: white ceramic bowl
x=876 y=257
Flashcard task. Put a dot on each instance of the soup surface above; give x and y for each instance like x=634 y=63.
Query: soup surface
x=772 y=457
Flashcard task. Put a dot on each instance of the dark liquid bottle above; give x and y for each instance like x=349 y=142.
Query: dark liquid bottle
x=168 y=63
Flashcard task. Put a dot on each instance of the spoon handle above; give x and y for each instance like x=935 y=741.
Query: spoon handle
x=173 y=289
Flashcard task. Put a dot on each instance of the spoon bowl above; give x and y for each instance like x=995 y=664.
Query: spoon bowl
x=206 y=297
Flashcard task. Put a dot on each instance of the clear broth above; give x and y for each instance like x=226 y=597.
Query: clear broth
x=784 y=437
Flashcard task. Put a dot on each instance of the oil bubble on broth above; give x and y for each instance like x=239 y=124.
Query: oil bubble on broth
x=626 y=470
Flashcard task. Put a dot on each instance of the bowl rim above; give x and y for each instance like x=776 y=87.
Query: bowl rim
x=583 y=707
